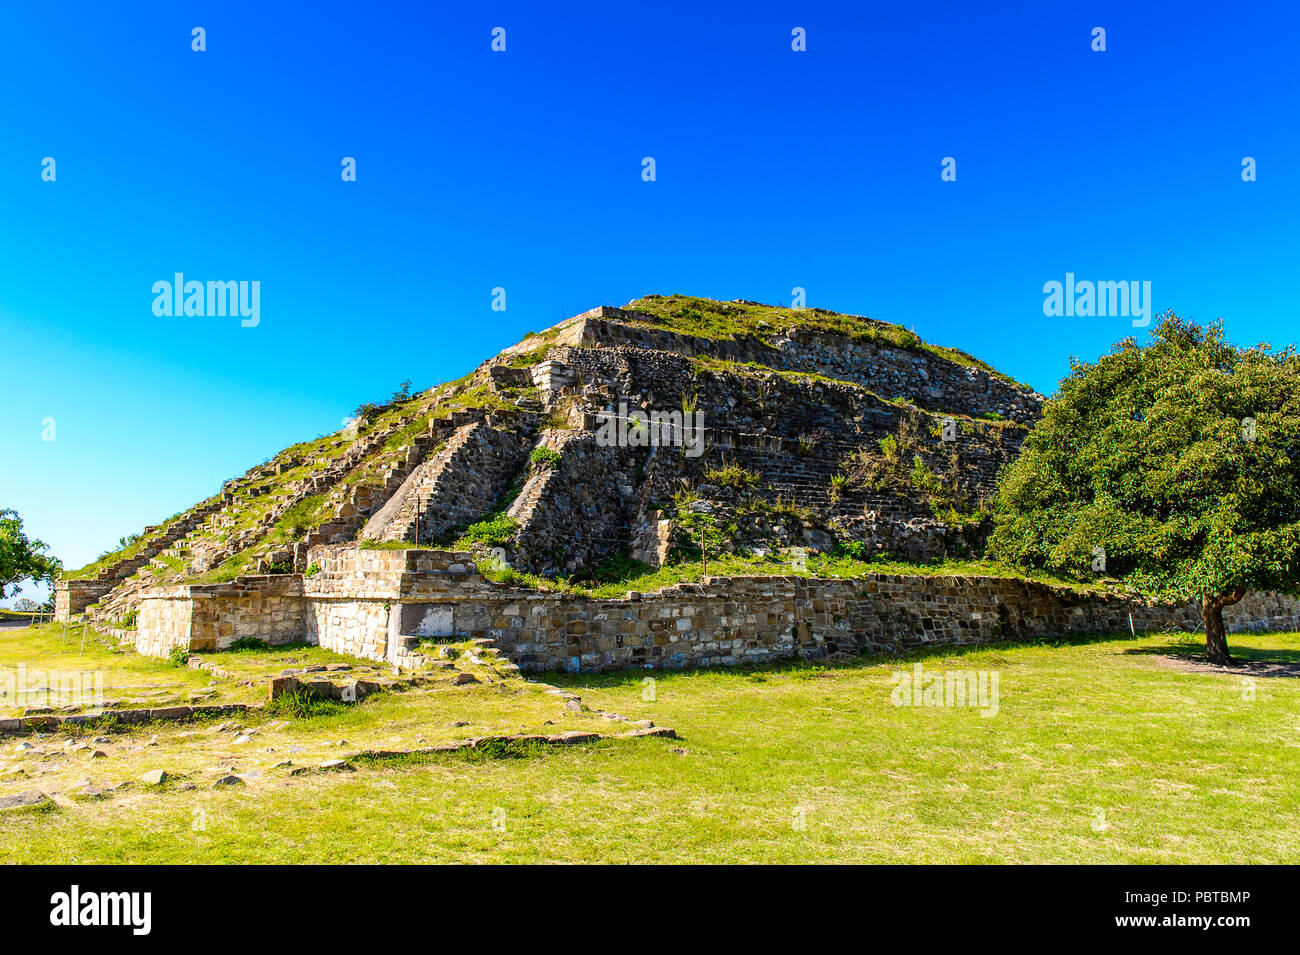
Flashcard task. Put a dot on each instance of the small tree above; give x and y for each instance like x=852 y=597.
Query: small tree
x=1174 y=467
x=22 y=558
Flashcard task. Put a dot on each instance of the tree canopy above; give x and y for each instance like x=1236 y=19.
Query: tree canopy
x=22 y=558
x=1173 y=466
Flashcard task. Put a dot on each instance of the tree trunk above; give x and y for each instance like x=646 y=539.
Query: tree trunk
x=1216 y=638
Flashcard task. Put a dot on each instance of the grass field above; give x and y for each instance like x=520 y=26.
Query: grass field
x=1103 y=751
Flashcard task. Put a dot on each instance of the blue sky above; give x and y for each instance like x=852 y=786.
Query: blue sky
x=775 y=169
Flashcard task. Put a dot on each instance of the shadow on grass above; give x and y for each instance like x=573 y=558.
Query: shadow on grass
x=1189 y=655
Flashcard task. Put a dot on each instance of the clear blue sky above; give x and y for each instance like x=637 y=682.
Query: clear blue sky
x=775 y=169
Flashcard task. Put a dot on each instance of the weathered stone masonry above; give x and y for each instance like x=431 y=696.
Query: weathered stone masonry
x=213 y=616
x=372 y=603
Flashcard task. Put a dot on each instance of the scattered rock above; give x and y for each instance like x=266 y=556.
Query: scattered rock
x=283 y=684
x=230 y=779
x=461 y=679
x=664 y=731
x=156 y=777
x=337 y=766
x=575 y=736
x=27 y=800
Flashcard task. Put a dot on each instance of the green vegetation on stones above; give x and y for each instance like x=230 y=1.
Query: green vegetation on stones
x=495 y=531
x=707 y=318
x=545 y=458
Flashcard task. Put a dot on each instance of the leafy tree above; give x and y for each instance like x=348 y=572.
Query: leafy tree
x=1174 y=467
x=20 y=557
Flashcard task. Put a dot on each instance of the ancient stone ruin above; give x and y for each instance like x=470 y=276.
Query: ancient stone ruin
x=613 y=436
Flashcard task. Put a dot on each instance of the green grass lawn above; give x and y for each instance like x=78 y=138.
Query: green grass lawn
x=1105 y=751
x=130 y=680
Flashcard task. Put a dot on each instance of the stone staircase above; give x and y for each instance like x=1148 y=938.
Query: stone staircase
x=117 y=602
x=362 y=502
x=177 y=530
x=577 y=511
x=457 y=486
x=183 y=539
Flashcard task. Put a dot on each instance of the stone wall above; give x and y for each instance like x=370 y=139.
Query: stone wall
x=930 y=380
x=796 y=433
x=577 y=511
x=370 y=602
x=731 y=620
x=726 y=621
x=72 y=597
x=213 y=616
x=164 y=621
x=359 y=627
x=354 y=604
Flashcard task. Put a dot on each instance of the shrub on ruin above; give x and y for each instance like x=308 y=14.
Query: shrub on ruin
x=698 y=533
x=545 y=458
x=732 y=475
x=496 y=531
x=853 y=549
